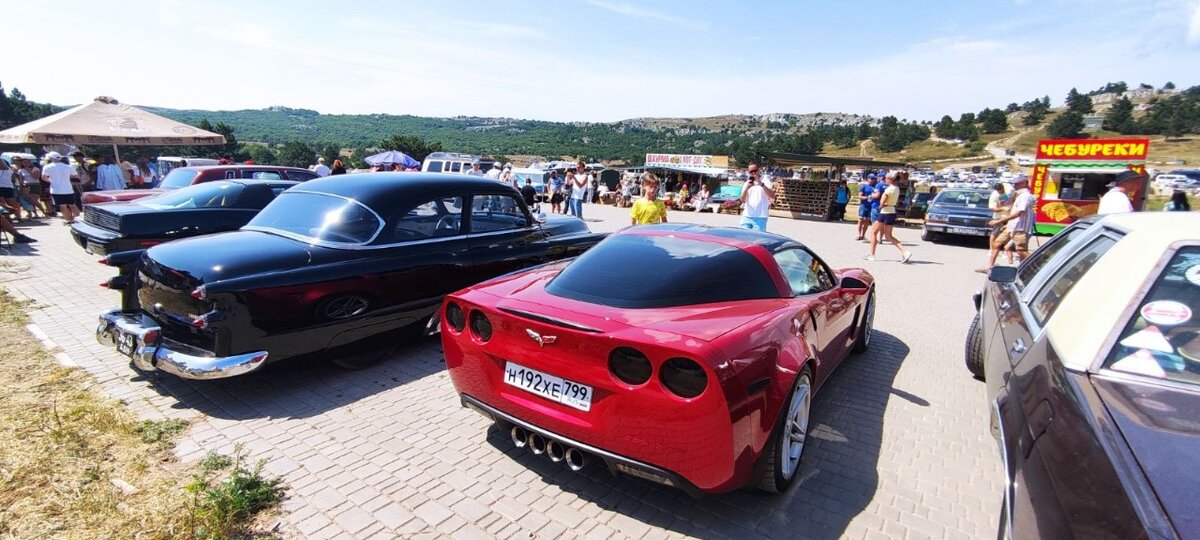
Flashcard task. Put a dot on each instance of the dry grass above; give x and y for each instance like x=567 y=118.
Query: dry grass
x=917 y=152
x=74 y=464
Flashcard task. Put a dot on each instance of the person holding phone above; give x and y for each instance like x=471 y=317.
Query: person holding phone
x=757 y=195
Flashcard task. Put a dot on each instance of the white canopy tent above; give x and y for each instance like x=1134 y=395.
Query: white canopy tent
x=105 y=121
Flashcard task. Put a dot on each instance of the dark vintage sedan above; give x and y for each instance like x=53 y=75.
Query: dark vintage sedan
x=181 y=177
x=957 y=212
x=326 y=266
x=1091 y=355
x=206 y=208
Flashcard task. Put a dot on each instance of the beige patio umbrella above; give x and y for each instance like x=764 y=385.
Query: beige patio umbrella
x=105 y=121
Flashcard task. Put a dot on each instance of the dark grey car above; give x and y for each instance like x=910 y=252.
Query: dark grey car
x=957 y=211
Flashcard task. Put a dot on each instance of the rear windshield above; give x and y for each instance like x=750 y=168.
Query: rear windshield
x=178 y=178
x=636 y=271
x=207 y=195
x=969 y=199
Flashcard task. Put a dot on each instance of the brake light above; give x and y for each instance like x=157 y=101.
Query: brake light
x=200 y=322
x=148 y=243
x=104 y=284
x=104 y=261
x=199 y=293
x=149 y=337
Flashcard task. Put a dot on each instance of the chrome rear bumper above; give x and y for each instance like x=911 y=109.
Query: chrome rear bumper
x=151 y=351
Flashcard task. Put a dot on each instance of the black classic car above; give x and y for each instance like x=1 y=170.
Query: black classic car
x=959 y=212
x=205 y=208
x=324 y=267
x=1091 y=355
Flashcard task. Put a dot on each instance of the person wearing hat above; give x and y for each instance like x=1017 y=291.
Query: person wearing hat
x=1018 y=225
x=475 y=170
x=865 y=190
x=322 y=169
x=1117 y=198
x=61 y=190
x=494 y=172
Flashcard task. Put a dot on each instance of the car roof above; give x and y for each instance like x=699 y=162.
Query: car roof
x=772 y=242
x=255 y=182
x=386 y=190
x=1100 y=301
x=235 y=167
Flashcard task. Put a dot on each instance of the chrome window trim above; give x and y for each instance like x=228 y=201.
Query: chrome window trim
x=1036 y=329
x=318 y=242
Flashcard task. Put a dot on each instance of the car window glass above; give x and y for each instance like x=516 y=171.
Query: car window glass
x=629 y=271
x=266 y=175
x=275 y=191
x=230 y=174
x=206 y=195
x=433 y=219
x=316 y=216
x=456 y=167
x=435 y=166
x=490 y=213
x=1056 y=288
x=804 y=272
x=1034 y=264
x=178 y=178
x=968 y=199
x=1162 y=339
x=301 y=176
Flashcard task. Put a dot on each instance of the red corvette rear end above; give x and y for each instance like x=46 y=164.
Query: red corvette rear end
x=680 y=393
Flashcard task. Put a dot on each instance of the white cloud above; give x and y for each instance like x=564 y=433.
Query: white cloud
x=638 y=12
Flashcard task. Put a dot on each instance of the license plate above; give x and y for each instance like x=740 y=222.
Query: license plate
x=962 y=230
x=571 y=394
x=126 y=343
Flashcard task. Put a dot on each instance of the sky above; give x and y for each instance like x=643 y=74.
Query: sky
x=596 y=60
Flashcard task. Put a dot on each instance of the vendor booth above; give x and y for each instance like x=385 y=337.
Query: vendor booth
x=675 y=170
x=813 y=191
x=1070 y=176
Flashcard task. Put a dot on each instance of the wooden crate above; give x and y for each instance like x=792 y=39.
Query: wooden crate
x=811 y=197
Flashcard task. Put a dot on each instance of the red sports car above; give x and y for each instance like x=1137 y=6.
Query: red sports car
x=680 y=354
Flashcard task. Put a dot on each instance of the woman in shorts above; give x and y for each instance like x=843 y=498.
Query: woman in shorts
x=886 y=220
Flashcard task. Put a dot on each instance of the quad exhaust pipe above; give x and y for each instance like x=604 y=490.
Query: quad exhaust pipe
x=556 y=451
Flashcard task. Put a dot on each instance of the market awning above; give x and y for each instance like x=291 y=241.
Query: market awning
x=705 y=171
x=105 y=121
x=786 y=159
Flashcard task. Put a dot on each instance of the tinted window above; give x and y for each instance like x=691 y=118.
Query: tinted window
x=456 y=167
x=178 y=178
x=1056 y=288
x=318 y=217
x=804 y=272
x=265 y=175
x=491 y=213
x=206 y=195
x=435 y=166
x=433 y=219
x=636 y=271
x=1037 y=261
x=301 y=176
x=1163 y=338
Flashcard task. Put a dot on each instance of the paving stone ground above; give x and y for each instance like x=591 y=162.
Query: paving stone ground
x=900 y=446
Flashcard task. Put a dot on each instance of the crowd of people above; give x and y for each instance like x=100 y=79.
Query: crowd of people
x=54 y=187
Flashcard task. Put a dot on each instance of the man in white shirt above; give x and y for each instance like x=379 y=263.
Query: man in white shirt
x=59 y=174
x=1019 y=225
x=1117 y=199
x=322 y=169
x=757 y=195
x=579 y=189
x=494 y=172
x=475 y=170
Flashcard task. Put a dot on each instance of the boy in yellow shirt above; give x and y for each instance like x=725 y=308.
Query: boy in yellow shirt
x=648 y=209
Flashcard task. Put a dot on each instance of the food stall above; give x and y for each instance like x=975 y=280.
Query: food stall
x=813 y=193
x=1070 y=175
x=677 y=169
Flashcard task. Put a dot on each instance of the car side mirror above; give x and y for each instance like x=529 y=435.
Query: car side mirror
x=854 y=285
x=1002 y=274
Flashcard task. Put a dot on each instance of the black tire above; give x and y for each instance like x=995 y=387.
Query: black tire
x=927 y=235
x=862 y=341
x=774 y=478
x=974 y=349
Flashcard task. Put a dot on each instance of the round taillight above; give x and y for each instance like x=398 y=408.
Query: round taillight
x=455 y=317
x=481 y=326
x=629 y=365
x=685 y=378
